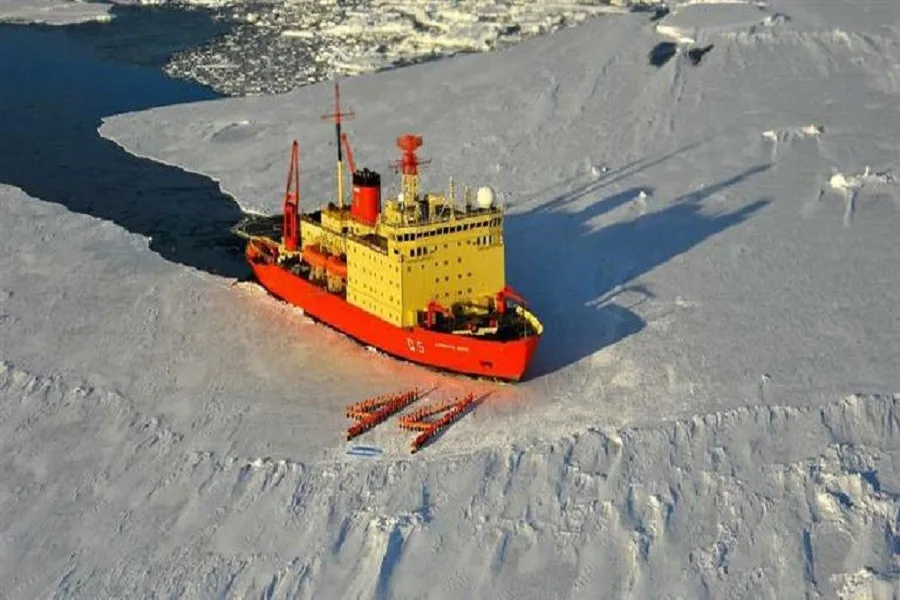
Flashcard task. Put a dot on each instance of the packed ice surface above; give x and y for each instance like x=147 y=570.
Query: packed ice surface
x=712 y=413
x=151 y=443
x=275 y=48
x=53 y=12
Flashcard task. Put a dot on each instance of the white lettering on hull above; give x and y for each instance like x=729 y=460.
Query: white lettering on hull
x=415 y=346
x=452 y=347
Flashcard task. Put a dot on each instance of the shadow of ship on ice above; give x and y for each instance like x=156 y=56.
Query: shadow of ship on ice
x=57 y=83
x=572 y=274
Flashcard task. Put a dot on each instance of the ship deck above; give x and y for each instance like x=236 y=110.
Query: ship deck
x=270 y=227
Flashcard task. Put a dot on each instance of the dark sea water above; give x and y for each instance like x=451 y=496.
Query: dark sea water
x=56 y=83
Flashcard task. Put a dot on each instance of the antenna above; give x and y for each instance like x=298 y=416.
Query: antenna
x=337 y=116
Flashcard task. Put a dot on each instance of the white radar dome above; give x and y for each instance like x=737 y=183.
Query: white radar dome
x=485 y=197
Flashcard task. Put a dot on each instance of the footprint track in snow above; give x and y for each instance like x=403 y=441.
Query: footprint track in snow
x=852 y=186
x=787 y=135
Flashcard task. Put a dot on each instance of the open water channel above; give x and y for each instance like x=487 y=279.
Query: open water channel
x=57 y=83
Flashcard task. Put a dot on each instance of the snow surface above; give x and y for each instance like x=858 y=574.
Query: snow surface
x=153 y=447
x=712 y=413
x=53 y=12
x=278 y=46
x=151 y=444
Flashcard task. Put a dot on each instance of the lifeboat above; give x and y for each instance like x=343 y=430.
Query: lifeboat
x=337 y=267
x=313 y=255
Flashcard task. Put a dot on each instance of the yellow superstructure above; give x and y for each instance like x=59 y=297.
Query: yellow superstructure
x=422 y=248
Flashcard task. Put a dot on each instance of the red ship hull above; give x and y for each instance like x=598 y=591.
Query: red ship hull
x=507 y=360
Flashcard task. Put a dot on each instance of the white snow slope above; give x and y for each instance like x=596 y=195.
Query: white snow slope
x=712 y=412
x=53 y=12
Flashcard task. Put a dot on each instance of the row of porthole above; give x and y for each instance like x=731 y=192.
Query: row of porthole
x=485 y=240
x=380 y=263
x=447 y=277
x=458 y=293
x=374 y=291
x=376 y=309
x=437 y=264
x=390 y=280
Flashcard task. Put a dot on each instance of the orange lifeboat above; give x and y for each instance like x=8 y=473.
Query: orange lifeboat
x=336 y=267
x=313 y=255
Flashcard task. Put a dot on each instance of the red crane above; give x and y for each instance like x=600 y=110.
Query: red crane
x=292 y=202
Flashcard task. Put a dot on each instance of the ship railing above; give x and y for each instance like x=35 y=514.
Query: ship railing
x=449 y=217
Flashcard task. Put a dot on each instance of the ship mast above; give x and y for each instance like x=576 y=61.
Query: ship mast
x=409 y=165
x=337 y=116
x=409 y=168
